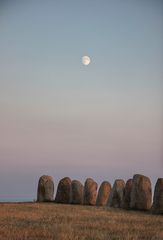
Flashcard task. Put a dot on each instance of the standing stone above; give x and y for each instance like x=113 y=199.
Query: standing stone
x=45 y=190
x=103 y=194
x=158 y=197
x=77 y=191
x=117 y=194
x=90 y=192
x=63 y=191
x=127 y=194
x=141 y=193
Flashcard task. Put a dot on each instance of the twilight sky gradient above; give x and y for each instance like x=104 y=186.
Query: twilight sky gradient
x=61 y=118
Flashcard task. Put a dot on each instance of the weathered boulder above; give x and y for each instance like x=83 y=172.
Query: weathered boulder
x=77 y=190
x=103 y=194
x=117 y=194
x=158 y=197
x=90 y=192
x=45 y=190
x=63 y=191
x=127 y=194
x=141 y=193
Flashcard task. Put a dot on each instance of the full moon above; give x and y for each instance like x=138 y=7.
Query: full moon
x=86 y=60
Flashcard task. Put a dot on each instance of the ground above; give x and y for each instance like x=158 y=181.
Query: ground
x=33 y=221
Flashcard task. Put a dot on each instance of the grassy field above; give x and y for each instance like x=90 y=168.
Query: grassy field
x=20 y=221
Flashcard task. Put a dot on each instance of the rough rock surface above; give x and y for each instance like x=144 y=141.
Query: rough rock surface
x=77 y=190
x=117 y=194
x=45 y=190
x=63 y=191
x=141 y=193
x=90 y=192
x=103 y=194
x=158 y=197
x=127 y=194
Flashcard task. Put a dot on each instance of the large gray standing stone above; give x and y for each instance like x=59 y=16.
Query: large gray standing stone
x=45 y=190
x=127 y=194
x=90 y=192
x=141 y=193
x=63 y=191
x=103 y=194
x=158 y=197
x=117 y=194
x=77 y=190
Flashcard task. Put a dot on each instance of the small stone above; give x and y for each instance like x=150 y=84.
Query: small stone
x=103 y=194
x=141 y=193
x=77 y=190
x=45 y=189
x=158 y=197
x=63 y=191
x=127 y=194
x=117 y=194
x=90 y=192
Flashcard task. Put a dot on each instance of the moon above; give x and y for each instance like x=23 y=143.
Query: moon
x=86 y=60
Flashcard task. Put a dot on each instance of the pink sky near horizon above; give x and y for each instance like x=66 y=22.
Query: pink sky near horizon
x=116 y=142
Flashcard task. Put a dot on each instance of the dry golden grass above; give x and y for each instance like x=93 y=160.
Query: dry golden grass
x=32 y=221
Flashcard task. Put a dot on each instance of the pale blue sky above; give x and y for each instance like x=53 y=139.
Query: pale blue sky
x=61 y=118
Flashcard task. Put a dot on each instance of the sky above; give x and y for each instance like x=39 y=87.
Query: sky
x=61 y=118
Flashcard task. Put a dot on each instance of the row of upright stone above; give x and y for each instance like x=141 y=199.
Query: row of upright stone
x=135 y=194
